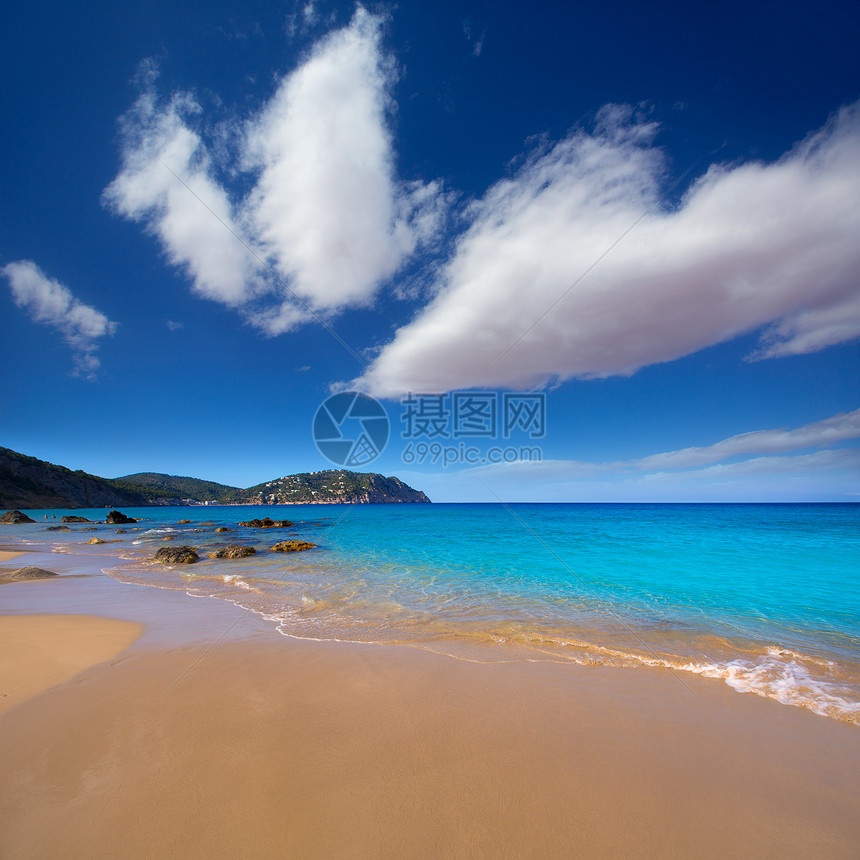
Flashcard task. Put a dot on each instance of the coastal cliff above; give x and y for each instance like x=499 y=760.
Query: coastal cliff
x=27 y=482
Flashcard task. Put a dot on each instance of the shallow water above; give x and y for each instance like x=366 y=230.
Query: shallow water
x=766 y=597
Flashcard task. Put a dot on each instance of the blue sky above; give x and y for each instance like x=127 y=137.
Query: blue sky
x=213 y=218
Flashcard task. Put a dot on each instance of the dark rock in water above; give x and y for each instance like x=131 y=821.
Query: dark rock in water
x=96 y=540
x=25 y=573
x=223 y=529
x=176 y=555
x=185 y=521
x=15 y=518
x=58 y=529
x=120 y=532
x=94 y=529
x=292 y=546
x=233 y=551
x=115 y=518
x=75 y=520
x=267 y=523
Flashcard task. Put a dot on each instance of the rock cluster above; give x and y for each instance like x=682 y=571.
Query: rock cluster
x=267 y=523
x=176 y=555
x=292 y=546
x=115 y=518
x=15 y=518
x=233 y=551
x=24 y=573
x=75 y=520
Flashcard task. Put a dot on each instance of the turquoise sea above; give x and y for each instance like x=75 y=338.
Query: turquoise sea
x=765 y=597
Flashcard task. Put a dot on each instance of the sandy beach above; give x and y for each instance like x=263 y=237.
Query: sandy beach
x=152 y=725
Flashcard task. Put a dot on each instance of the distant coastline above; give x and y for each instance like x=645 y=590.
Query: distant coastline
x=28 y=483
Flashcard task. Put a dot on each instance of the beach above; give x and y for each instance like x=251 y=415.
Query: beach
x=193 y=729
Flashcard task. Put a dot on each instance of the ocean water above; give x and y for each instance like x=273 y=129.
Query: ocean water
x=765 y=597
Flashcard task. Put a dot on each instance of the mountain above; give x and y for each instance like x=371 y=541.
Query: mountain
x=27 y=482
x=337 y=486
x=157 y=485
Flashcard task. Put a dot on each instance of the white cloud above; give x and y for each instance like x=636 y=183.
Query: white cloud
x=327 y=207
x=327 y=221
x=751 y=245
x=845 y=425
x=693 y=474
x=50 y=302
x=167 y=182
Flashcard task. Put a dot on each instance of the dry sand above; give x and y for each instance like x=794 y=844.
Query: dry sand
x=270 y=747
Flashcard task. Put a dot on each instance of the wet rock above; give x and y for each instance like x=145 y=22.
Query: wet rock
x=96 y=540
x=292 y=546
x=223 y=529
x=233 y=551
x=25 y=573
x=75 y=520
x=185 y=521
x=120 y=532
x=115 y=518
x=58 y=529
x=15 y=518
x=176 y=555
x=267 y=523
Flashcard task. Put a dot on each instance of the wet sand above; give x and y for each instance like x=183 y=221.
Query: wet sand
x=212 y=736
x=42 y=651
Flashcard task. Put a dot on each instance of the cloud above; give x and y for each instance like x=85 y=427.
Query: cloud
x=327 y=221
x=845 y=425
x=573 y=267
x=50 y=302
x=327 y=208
x=174 y=325
x=688 y=474
x=167 y=183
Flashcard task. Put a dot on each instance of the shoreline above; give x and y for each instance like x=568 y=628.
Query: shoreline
x=331 y=749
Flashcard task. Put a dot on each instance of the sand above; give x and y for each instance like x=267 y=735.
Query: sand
x=43 y=651
x=8 y=556
x=262 y=746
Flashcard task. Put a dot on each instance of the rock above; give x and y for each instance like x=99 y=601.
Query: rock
x=185 y=521
x=207 y=524
x=267 y=523
x=120 y=532
x=223 y=529
x=233 y=551
x=75 y=520
x=58 y=529
x=96 y=540
x=94 y=529
x=292 y=546
x=15 y=518
x=25 y=573
x=115 y=518
x=176 y=555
